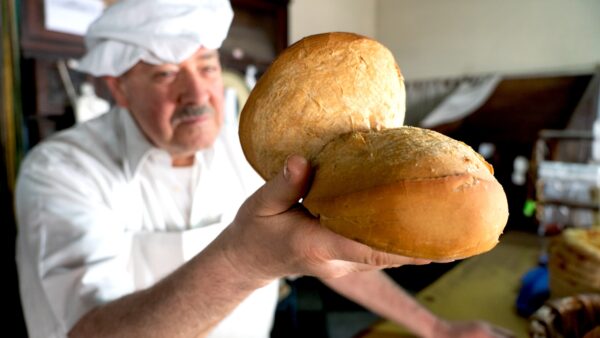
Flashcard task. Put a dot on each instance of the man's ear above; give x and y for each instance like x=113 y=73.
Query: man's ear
x=115 y=86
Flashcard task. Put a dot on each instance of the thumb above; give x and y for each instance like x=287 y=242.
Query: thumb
x=284 y=190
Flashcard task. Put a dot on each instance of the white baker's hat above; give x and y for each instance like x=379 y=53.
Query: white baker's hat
x=154 y=31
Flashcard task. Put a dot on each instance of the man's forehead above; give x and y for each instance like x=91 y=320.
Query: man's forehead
x=201 y=54
x=205 y=53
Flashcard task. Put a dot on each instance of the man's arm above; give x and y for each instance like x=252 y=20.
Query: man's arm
x=271 y=236
x=377 y=292
x=188 y=303
x=380 y=294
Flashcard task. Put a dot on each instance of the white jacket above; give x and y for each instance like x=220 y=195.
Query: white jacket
x=97 y=221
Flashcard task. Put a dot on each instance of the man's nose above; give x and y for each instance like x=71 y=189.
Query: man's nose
x=193 y=88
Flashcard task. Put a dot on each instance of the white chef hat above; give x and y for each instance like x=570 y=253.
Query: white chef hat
x=154 y=31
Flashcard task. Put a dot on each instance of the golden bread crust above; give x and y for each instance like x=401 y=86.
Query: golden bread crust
x=322 y=86
x=409 y=191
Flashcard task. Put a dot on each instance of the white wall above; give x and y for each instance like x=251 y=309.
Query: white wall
x=443 y=38
x=451 y=38
x=307 y=17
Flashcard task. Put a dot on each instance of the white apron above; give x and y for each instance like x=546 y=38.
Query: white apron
x=158 y=254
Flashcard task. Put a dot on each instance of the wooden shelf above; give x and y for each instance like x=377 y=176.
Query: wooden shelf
x=574 y=205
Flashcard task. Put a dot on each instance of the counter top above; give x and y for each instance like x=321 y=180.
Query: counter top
x=482 y=287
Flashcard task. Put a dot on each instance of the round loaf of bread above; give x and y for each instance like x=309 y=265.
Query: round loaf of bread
x=409 y=191
x=338 y=100
x=320 y=87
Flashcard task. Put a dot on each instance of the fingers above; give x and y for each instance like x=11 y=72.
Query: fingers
x=494 y=331
x=285 y=189
x=485 y=329
x=316 y=246
x=502 y=332
x=348 y=250
x=442 y=261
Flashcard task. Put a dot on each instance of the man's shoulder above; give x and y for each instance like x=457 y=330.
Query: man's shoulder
x=93 y=143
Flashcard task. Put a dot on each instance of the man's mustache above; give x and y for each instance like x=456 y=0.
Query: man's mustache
x=191 y=111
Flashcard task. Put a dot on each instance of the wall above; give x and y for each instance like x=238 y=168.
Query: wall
x=460 y=37
x=464 y=37
x=308 y=17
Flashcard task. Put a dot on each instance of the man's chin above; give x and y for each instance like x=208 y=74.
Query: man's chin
x=193 y=146
x=193 y=121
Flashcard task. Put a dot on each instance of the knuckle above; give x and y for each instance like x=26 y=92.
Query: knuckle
x=378 y=258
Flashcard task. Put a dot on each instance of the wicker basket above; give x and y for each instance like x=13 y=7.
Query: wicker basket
x=575 y=316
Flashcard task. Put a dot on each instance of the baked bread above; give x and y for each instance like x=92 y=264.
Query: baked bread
x=409 y=191
x=338 y=100
x=318 y=88
x=584 y=241
x=574 y=262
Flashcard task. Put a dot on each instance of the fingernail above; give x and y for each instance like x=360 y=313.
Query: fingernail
x=446 y=260
x=286 y=171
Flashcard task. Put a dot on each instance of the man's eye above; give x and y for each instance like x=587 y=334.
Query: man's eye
x=208 y=70
x=165 y=74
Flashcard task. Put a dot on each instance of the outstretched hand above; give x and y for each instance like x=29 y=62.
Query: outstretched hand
x=274 y=236
x=470 y=329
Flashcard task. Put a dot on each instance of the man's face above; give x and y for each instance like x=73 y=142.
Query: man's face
x=178 y=107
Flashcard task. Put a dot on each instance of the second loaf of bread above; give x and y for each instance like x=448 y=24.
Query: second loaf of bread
x=408 y=191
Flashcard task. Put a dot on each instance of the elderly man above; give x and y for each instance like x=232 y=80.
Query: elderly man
x=134 y=223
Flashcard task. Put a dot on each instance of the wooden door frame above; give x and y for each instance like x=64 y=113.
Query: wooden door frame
x=11 y=150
